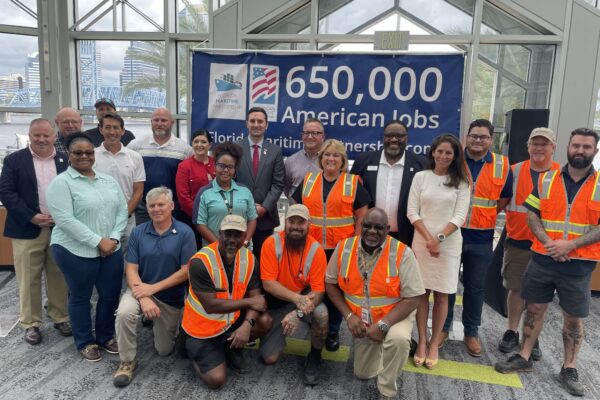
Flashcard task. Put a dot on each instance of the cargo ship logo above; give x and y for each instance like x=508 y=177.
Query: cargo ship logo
x=226 y=83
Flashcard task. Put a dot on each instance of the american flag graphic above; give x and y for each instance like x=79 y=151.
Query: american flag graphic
x=264 y=82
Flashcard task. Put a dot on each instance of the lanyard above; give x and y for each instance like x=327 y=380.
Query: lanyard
x=228 y=204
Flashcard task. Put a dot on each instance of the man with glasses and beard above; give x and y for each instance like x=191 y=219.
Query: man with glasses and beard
x=162 y=152
x=563 y=215
x=375 y=282
x=292 y=269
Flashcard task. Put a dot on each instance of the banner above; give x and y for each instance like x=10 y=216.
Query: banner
x=354 y=95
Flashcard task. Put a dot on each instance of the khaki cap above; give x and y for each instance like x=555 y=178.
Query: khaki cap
x=235 y=222
x=299 y=210
x=543 y=132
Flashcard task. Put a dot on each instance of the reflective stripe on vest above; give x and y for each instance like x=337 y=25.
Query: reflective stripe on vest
x=373 y=301
x=547 y=180
x=214 y=265
x=197 y=306
x=309 y=259
x=346 y=252
x=483 y=203
x=596 y=191
x=332 y=221
x=243 y=265
x=347 y=190
x=512 y=205
x=498 y=164
x=566 y=228
x=392 y=269
x=310 y=184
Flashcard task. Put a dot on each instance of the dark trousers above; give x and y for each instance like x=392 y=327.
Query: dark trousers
x=82 y=274
x=476 y=259
x=335 y=317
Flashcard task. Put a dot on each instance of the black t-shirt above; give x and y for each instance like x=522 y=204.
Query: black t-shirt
x=202 y=282
x=361 y=199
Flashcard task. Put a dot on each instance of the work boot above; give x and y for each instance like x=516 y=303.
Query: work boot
x=312 y=368
x=124 y=373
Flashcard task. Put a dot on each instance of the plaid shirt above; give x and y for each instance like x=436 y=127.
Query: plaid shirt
x=60 y=145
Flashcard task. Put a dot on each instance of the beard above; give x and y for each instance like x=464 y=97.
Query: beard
x=579 y=162
x=295 y=244
x=161 y=132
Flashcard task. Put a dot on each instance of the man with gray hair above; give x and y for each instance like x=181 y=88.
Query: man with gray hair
x=68 y=121
x=156 y=270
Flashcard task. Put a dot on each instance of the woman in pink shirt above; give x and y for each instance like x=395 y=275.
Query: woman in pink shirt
x=195 y=172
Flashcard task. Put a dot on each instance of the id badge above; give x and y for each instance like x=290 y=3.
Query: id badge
x=365 y=315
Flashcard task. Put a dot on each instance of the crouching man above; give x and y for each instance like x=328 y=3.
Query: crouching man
x=292 y=269
x=374 y=281
x=225 y=307
x=156 y=270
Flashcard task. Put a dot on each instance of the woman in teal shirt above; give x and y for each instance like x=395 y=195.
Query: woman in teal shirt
x=90 y=213
x=224 y=196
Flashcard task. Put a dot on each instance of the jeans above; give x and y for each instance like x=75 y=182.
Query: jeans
x=476 y=259
x=82 y=274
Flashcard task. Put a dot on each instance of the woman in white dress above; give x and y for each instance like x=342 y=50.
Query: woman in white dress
x=437 y=207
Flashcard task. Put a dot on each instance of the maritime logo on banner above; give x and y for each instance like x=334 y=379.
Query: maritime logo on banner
x=264 y=88
x=227 y=91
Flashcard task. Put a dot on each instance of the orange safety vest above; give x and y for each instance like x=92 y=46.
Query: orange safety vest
x=569 y=221
x=198 y=323
x=516 y=214
x=485 y=193
x=334 y=220
x=384 y=282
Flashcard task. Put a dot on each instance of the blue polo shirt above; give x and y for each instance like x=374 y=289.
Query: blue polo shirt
x=475 y=166
x=160 y=256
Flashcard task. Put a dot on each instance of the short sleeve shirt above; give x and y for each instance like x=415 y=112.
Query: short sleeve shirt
x=126 y=166
x=160 y=256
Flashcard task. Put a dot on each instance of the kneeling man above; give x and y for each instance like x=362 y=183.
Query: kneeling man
x=292 y=269
x=374 y=281
x=156 y=270
x=224 y=308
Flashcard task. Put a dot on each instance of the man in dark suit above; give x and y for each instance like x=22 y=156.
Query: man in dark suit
x=25 y=177
x=263 y=172
x=387 y=175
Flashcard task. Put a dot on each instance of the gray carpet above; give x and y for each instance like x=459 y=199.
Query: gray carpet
x=54 y=370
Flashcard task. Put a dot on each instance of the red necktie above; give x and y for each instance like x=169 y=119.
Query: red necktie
x=255 y=159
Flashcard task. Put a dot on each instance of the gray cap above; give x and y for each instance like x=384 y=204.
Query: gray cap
x=235 y=222
x=299 y=210
x=543 y=132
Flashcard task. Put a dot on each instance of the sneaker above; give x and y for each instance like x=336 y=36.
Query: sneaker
x=110 y=347
x=569 y=380
x=536 y=352
x=124 y=373
x=333 y=341
x=312 y=368
x=91 y=353
x=515 y=363
x=509 y=342
x=237 y=360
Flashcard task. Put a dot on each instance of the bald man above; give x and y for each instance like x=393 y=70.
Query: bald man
x=162 y=152
x=68 y=121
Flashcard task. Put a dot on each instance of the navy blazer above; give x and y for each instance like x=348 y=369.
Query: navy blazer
x=267 y=186
x=19 y=192
x=412 y=165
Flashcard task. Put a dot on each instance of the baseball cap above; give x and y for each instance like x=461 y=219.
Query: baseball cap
x=299 y=210
x=104 y=100
x=235 y=222
x=543 y=132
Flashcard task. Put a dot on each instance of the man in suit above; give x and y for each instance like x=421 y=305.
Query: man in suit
x=387 y=175
x=263 y=172
x=25 y=177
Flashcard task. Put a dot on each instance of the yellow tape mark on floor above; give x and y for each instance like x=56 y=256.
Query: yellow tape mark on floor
x=301 y=347
x=469 y=372
x=458 y=302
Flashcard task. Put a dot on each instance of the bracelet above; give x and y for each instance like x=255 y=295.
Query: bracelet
x=251 y=322
x=349 y=315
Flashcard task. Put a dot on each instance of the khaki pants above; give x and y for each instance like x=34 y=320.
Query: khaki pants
x=385 y=360
x=165 y=327
x=31 y=257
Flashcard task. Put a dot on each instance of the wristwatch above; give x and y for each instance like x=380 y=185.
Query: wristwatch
x=383 y=327
x=441 y=237
x=251 y=322
x=299 y=313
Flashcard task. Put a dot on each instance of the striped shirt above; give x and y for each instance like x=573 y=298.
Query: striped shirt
x=85 y=211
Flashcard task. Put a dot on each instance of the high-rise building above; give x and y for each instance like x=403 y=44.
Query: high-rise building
x=32 y=71
x=90 y=70
x=134 y=67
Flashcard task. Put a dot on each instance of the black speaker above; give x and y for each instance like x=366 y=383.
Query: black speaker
x=518 y=126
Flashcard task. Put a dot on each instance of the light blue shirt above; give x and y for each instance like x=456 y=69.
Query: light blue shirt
x=210 y=207
x=85 y=210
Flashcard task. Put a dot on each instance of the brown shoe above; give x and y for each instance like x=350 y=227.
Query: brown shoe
x=110 y=347
x=445 y=336
x=91 y=353
x=33 y=335
x=124 y=374
x=473 y=345
x=64 y=328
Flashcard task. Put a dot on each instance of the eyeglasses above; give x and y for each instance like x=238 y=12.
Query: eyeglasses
x=223 y=167
x=397 y=136
x=377 y=227
x=79 y=153
x=312 y=133
x=481 y=138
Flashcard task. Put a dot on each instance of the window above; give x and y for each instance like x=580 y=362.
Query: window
x=19 y=71
x=22 y=13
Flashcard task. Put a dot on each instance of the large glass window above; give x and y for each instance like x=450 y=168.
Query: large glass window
x=343 y=16
x=441 y=16
x=19 y=71
x=183 y=71
x=298 y=22
x=132 y=74
x=192 y=16
x=496 y=22
x=21 y=13
x=121 y=16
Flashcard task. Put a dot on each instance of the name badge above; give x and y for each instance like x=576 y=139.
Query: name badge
x=365 y=315
x=372 y=167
